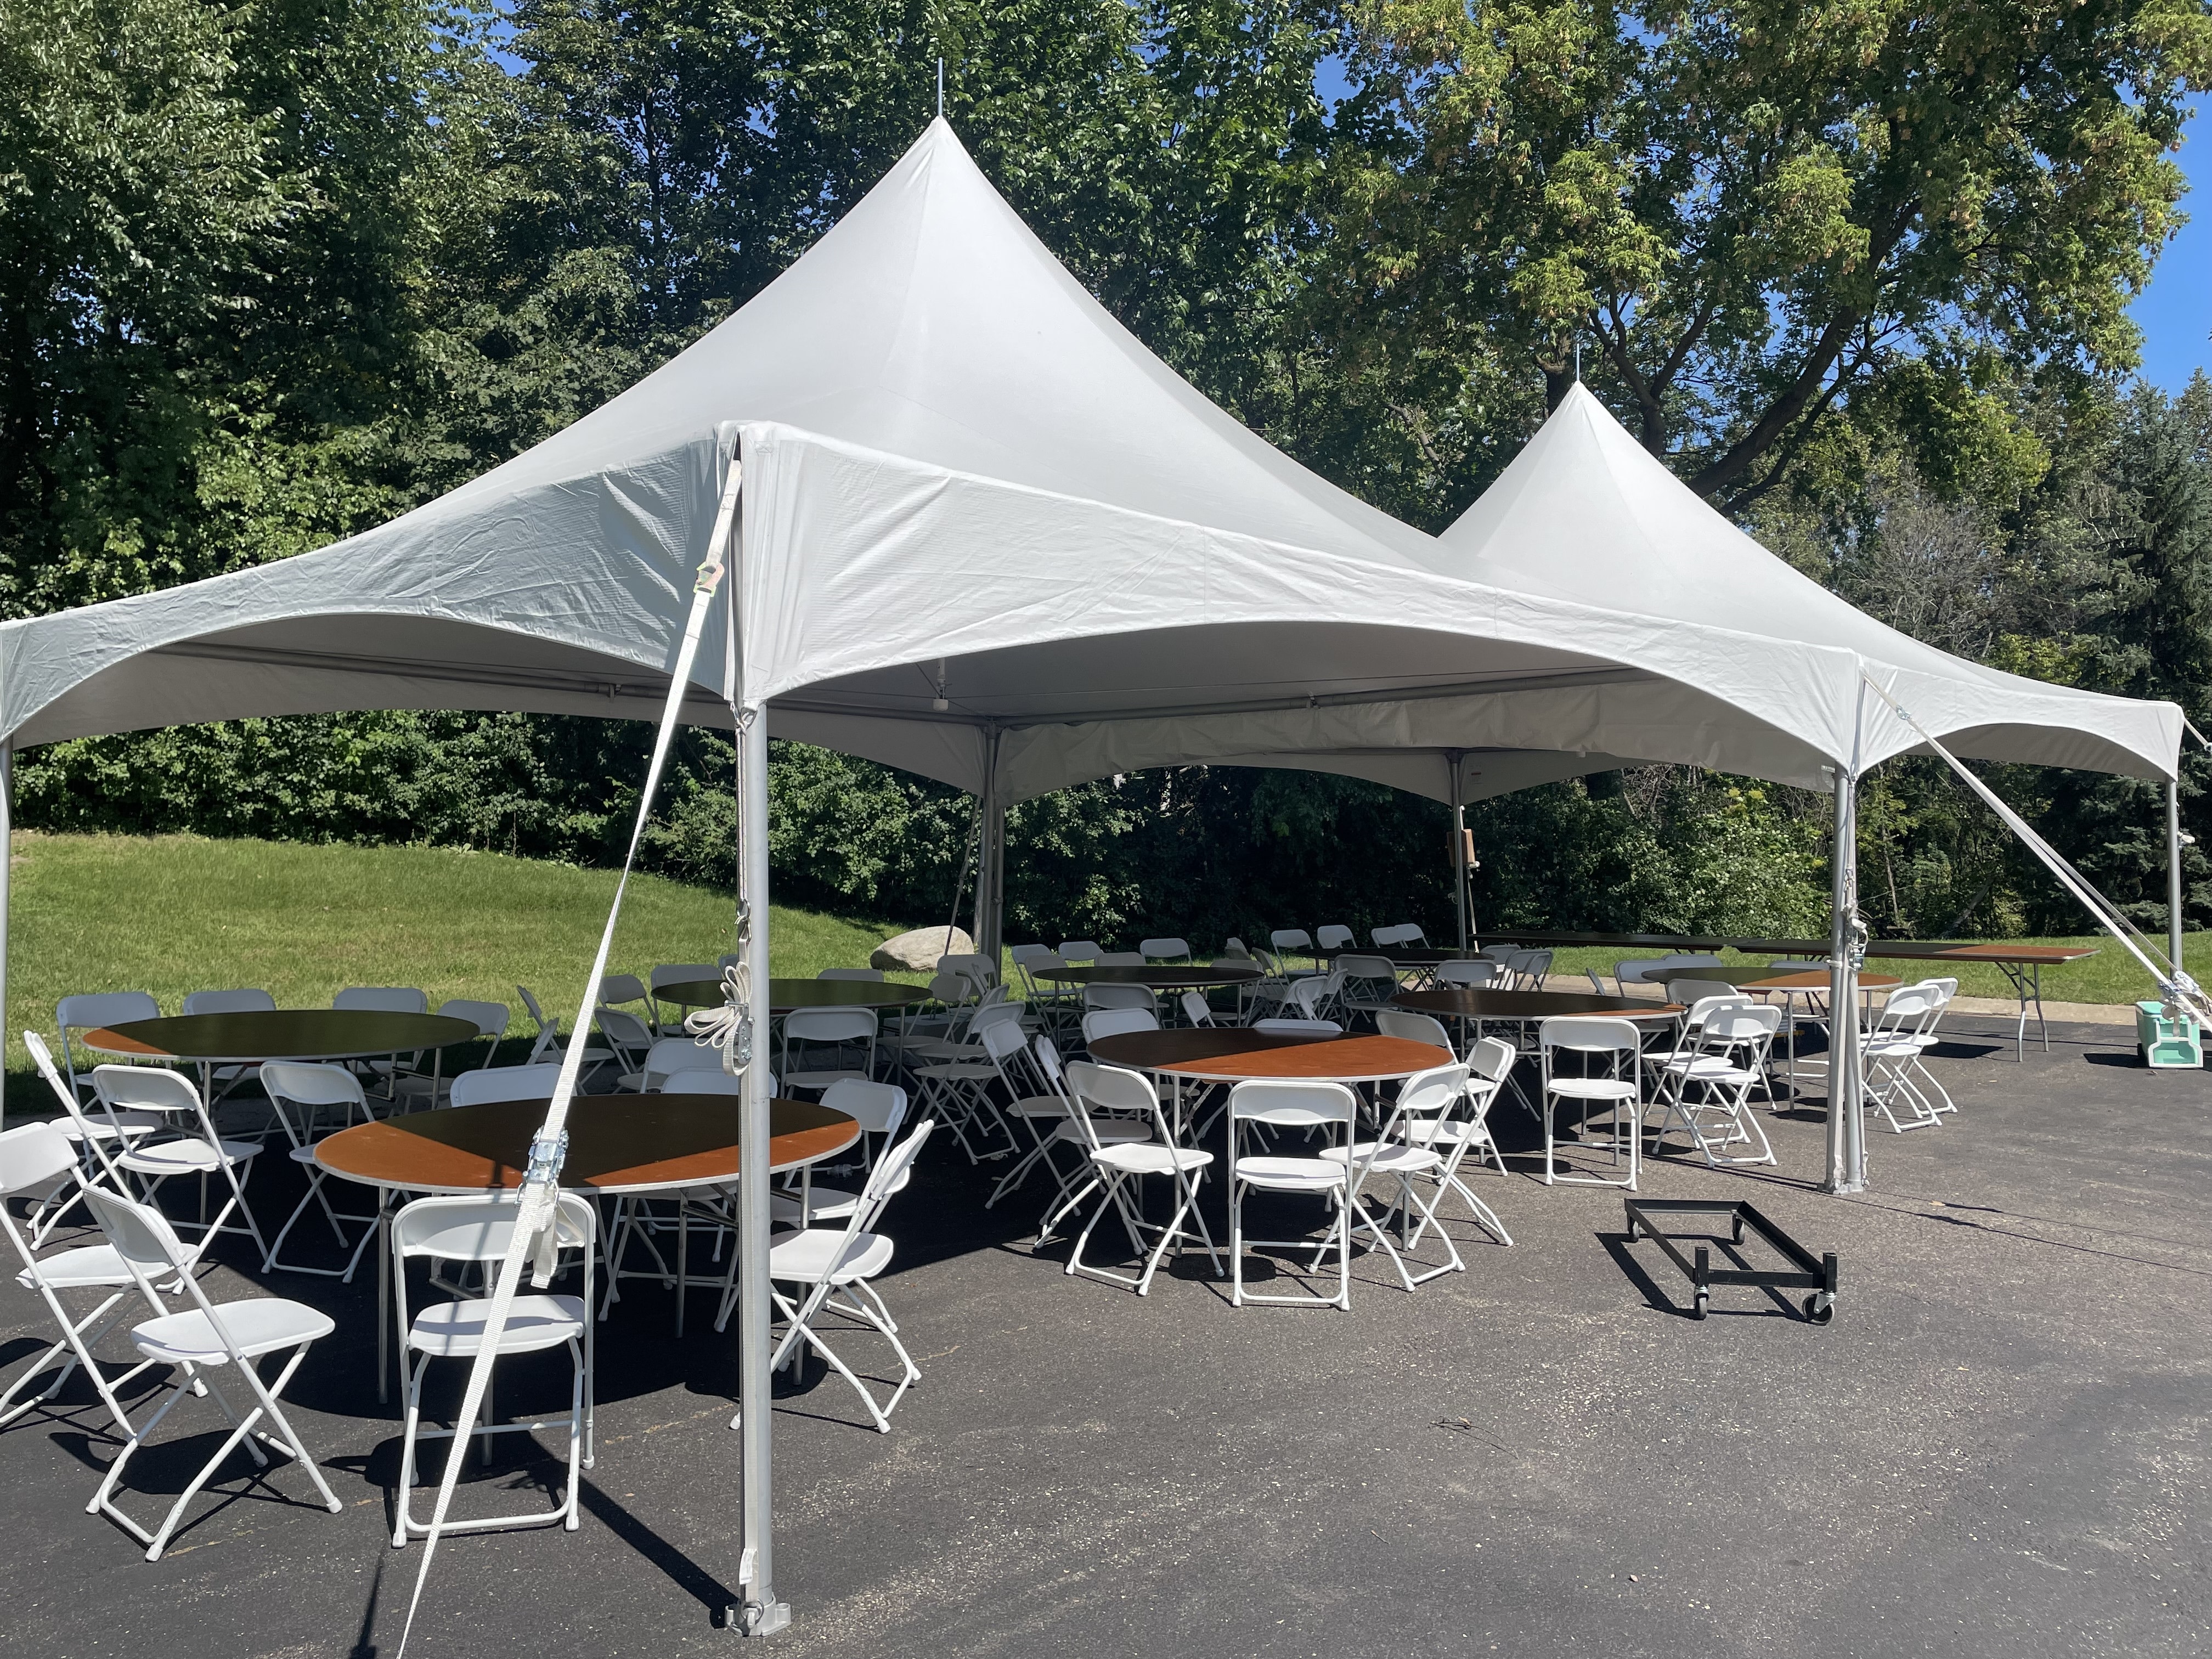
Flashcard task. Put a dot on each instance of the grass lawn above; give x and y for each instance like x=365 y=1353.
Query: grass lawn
x=173 y=913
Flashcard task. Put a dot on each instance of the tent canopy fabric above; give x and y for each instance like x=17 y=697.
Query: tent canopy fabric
x=978 y=518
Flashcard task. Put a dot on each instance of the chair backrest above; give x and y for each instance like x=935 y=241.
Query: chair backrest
x=1291 y=939
x=830 y=1025
x=229 y=1002
x=997 y=1011
x=491 y=1018
x=465 y=1227
x=383 y=998
x=869 y=976
x=1631 y=971
x=1414 y=1028
x=309 y=1083
x=670 y=1055
x=1532 y=966
x=547 y=1029
x=1000 y=1038
x=1163 y=950
x=1196 y=1009
x=892 y=1172
x=951 y=989
x=982 y=970
x=1432 y=1092
x=878 y=1107
x=1117 y=1021
x=1299 y=1027
x=1291 y=1104
x=85 y=1011
x=1234 y=947
x=1489 y=1060
x=142 y=1236
x=1702 y=1002
x=145 y=1088
x=1691 y=992
x=1589 y=1034
x=683 y=973
x=704 y=1080
x=1467 y=970
x=1121 y=959
x=1120 y=996
x=1498 y=953
x=1404 y=933
x=1749 y=1022
x=1372 y=970
x=1316 y=992
x=1078 y=951
x=488 y=1084
x=628 y=1035
x=31 y=1157
x=1903 y=1009
x=1023 y=955
x=43 y=1057
x=1333 y=938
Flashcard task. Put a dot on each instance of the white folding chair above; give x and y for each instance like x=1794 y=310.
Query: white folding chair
x=1114 y=1163
x=1472 y=970
x=1121 y=959
x=549 y=1042
x=1365 y=984
x=1711 y=1084
x=466 y=1228
x=98 y=1131
x=879 y=1109
x=1406 y=933
x=1285 y=941
x=1616 y=1048
x=1096 y=997
x=628 y=1039
x=1333 y=939
x=1117 y=1021
x=1319 y=996
x=1299 y=1027
x=703 y=1080
x=1050 y=1115
x=957 y=1092
x=299 y=1093
x=35 y=1160
x=978 y=971
x=1414 y=1028
x=825 y=1261
x=1081 y=953
x=1163 y=950
x=1892 y=1050
x=243 y=1001
x=89 y=1012
x=383 y=998
x=1406 y=1156
x=671 y=1055
x=488 y=1085
x=201 y=1342
x=831 y=1043
x=1195 y=1008
x=1465 y=1131
x=490 y=1019
x=195 y=1148
x=676 y=973
x=1274 y=1104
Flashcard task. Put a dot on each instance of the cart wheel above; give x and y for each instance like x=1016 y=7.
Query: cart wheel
x=1820 y=1309
x=1739 y=1230
x=1702 y=1306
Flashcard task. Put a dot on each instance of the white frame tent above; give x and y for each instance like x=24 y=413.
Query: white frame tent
x=980 y=533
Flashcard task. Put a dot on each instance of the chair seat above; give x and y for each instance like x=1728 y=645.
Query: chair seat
x=1396 y=1158
x=1150 y=1159
x=259 y=1327
x=821 y=1079
x=1038 y=1106
x=97 y=1127
x=1111 y=1131
x=1291 y=1174
x=1592 y=1088
x=454 y=1330
x=1702 y=1065
x=1447 y=1132
x=87 y=1264
x=823 y=1203
x=186 y=1156
x=809 y=1258
x=1720 y=1073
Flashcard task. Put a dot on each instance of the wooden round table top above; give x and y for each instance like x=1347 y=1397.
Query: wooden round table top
x=786 y=994
x=281 y=1034
x=1763 y=979
x=1496 y=1002
x=1236 y=1053
x=616 y=1143
x=1158 y=976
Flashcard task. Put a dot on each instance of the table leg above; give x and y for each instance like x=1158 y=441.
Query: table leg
x=383 y=1293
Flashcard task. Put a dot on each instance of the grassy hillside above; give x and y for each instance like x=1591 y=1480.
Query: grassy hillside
x=175 y=914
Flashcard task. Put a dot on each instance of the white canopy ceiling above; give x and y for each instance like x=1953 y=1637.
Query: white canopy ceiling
x=965 y=483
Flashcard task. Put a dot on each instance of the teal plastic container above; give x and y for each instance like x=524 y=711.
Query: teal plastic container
x=2167 y=1041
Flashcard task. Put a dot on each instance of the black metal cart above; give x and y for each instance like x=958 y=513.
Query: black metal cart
x=1817 y=1275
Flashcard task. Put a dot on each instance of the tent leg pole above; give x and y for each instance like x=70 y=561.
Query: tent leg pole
x=1846 y=1148
x=2174 y=918
x=1458 y=846
x=990 y=861
x=762 y=1614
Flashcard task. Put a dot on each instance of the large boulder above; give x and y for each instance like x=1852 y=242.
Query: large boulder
x=917 y=951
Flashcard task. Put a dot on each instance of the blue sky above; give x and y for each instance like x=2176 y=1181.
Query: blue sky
x=2175 y=312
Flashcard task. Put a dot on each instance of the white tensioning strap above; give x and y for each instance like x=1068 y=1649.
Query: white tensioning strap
x=2172 y=982
x=536 y=1207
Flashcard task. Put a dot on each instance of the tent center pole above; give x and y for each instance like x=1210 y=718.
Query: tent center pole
x=7 y=872
x=761 y=1615
x=2173 y=873
x=1846 y=945
x=1459 y=843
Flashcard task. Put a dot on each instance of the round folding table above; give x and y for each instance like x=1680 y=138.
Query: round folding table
x=786 y=994
x=1160 y=977
x=618 y=1145
x=255 y=1034
x=1210 y=1055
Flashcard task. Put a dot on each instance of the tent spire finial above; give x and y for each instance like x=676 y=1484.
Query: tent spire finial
x=1578 y=342
x=940 y=88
